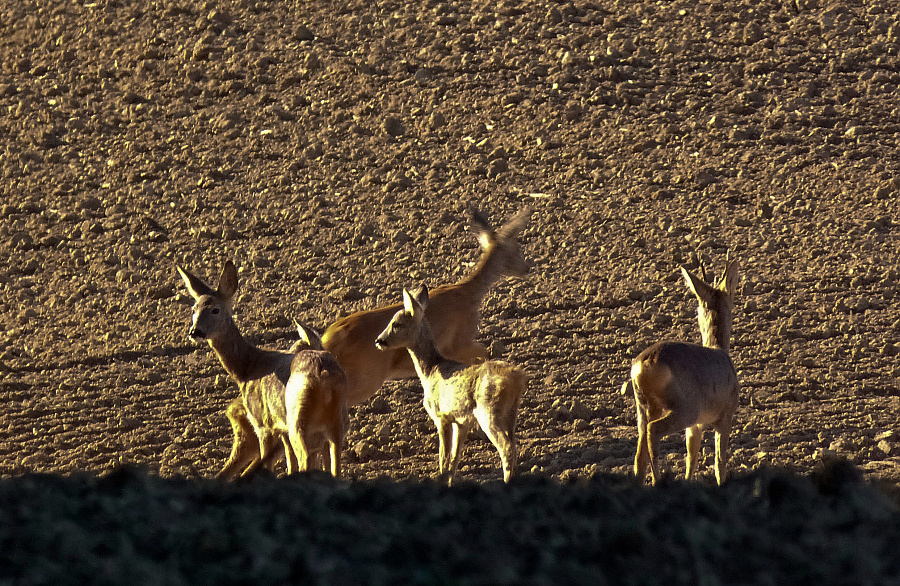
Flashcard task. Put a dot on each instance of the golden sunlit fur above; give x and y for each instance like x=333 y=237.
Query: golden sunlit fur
x=453 y=313
x=298 y=397
x=457 y=397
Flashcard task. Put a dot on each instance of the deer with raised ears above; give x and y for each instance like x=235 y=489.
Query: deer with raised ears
x=454 y=312
x=295 y=397
x=457 y=396
x=678 y=385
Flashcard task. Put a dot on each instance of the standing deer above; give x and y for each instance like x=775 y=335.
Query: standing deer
x=296 y=396
x=456 y=395
x=453 y=313
x=678 y=385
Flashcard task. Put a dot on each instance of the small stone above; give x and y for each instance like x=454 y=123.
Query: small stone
x=302 y=33
x=229 y=233
x=393 y=126
x=884 y=191
x=842 y=446
x=379 y=405
x=161 y=293
x=363 y=450
x=579 y=410
x=422 y=75
x=889 y=435
x=89 y=203
x=888 y=448
x=436 y=121
x=753 y=33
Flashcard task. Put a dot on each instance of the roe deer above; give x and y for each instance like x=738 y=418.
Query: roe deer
x=678 y=385
x=291 y=396
x=454 y=313
x=456 y=395
x=246 y=447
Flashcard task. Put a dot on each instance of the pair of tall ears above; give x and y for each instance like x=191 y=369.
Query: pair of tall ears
x=486 y=233
x=228 y=283
x=416 y=300
x=704 y=291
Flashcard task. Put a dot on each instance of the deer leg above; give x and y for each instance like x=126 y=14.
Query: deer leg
x=245 y=445
x=502 y=436
x=445 y=437
x=300 y=444
x=642 y=455
x=272 y=456
x=693 y=436
x=723 y=430
x=676 y=420
x=266 y=448
x=505 y=442
x=336 y=434
x=289 y=456
x=459 y=435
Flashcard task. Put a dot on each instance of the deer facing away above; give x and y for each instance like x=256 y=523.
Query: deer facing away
x=453 y=312
x=678 y=385
x=298 y=397
x=457 y=396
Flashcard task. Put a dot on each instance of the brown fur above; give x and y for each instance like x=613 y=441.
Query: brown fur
x=457 y=396
x=687 y=386
x=454 y=314
x=298 y=397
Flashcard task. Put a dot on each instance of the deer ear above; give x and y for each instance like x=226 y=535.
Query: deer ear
x=409 y=302
x=422 y=295
x=228 y=282
x=514 y=226
x=698 y=286
x=482 y=228
x=309 y=336
x=195 y=286
x=415 y=301
x=730 y=278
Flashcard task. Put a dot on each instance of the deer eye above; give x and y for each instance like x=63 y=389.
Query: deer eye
x=214 y=311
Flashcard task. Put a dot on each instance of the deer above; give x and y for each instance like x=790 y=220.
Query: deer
x=457 y=395
x=453 y=313
x=298 y=397
x=245 y=446
x=679 y=385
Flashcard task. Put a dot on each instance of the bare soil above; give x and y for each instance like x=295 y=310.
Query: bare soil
x=332 y=150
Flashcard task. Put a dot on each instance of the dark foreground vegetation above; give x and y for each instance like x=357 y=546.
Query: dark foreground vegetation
x=763 y=527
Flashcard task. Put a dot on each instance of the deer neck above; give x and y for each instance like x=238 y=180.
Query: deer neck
x=424 y=352
x=241 y=359
x=488 y=271
x=715 y=328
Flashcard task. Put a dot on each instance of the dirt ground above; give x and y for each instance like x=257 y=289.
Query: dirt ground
x=332 y=150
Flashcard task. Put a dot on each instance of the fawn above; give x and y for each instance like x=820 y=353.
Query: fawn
x=678 y=385
x=296 y=396
x=457 y=396
x=454 y=313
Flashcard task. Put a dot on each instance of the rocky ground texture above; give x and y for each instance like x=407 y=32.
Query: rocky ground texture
x=333 y=149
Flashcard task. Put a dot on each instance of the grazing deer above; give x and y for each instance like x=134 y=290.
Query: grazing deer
x=293 y=396
x=686 y=386
x=456 y=395
x=453 y=313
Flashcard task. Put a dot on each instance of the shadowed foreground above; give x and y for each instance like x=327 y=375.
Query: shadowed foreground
x=765 y=527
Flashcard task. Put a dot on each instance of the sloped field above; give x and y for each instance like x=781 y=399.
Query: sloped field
x=332 y=150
